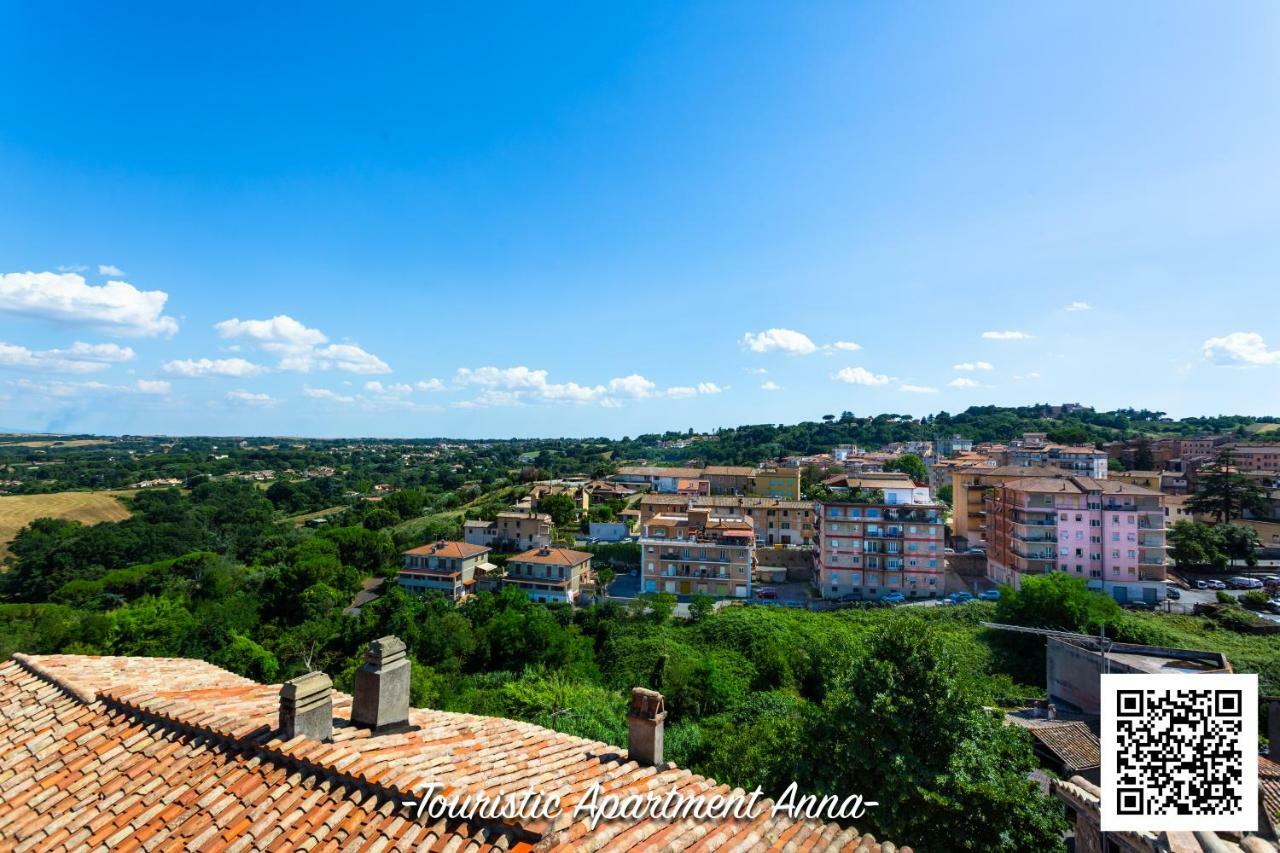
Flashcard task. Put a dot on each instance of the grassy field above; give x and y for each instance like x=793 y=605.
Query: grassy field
x=16 y=511
x=1264 y=427
x=299 y=520
x=75 y=442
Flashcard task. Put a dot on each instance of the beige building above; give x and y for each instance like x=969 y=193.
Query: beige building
x=968 y=487
x=775 y=522
x=782 y=483
x=1146 y=479
x=512 y=530
x=549 y=574
x=698 y=553
x=447 y=567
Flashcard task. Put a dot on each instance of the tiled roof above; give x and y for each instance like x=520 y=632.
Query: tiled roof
x=656 y=471
x=456 y=550
x=1269 y=782
x=552 y=556
x=1072 y=743
x=106 y=753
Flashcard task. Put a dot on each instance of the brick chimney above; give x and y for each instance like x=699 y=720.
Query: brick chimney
x=381 y=699
x=306 y=707
x=646 y=719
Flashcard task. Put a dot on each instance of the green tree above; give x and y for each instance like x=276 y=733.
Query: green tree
x=561 y=508
x=945 y=494
x=911 y=465
x=1240 y=542
x=1225 y=493
x=906 y=725
x=700 y=607
x=1193 y=543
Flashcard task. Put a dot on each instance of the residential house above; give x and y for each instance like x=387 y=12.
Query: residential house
x=549 y=574
x=1109 y=533
x=447 y=567
x=512 y=530
x=968 y=488
x=870 y=549
x=696 y=552
x=898 y=488
x=775 y=482
x=775 y=522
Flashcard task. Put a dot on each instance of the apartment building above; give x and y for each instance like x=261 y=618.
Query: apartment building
x=549 y=574
x=1111 y=534
x=872 y=549
x=766 y=481
x=947 y=447
x=968 y=488
x=696 y=552
x=776 y=522
x=447 y=567
x=1256 y=457
x=898 y=488
x=1083 y=461
x=512 y=530
x=775 y=482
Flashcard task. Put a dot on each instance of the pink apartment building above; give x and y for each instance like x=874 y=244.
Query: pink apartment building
x=867 y=550
x=1110 y=533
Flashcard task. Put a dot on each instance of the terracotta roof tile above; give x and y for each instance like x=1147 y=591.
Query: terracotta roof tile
x=160 y=753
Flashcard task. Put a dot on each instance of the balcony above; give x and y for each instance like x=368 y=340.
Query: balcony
x=1042 y=522
x=1035 y=537
x=1146 y=524
x=1036 y=555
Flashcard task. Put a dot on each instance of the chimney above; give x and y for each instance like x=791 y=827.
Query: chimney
x=381 y=699
x=646 y=720
x=306 y=707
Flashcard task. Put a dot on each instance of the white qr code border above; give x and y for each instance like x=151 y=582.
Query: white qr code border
x=1246 y=818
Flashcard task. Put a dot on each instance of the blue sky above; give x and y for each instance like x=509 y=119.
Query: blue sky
x=597 y=220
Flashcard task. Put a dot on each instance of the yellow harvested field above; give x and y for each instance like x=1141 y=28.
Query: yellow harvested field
x=17 y=511
x=75 y=442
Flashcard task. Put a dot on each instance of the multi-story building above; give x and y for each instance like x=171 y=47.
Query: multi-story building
x=871 y=549
x=728 y=479
x=1083 y=461
x=898 y=488
x=1256 y=457
x=549 y=574
x=658 y=479
x=1109 y=533
x=446 y=567
x=947 y=447
x=1147 y=479
x=775 y=522
x=512 y=530
x=697 y=553
x=776 y=482
x=968 y=489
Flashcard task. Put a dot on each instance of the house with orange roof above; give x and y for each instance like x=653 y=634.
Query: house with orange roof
x=549 y=574
x=447 y=567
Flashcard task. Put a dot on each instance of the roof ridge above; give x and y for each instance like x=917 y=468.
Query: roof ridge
x=72 y=689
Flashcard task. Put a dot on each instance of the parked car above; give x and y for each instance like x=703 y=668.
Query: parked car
x=1243 y=583
x=1139 y=605
x=990 y=595
x=894 y=598
x=766 y=592
x=1173 y=592
x=977 y=552
x=948 y=551
x=1203 y=585
x=850 y=596
x=961 y=597
x=1215 y=585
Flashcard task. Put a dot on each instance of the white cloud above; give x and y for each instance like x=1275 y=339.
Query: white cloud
x=633 y=385
x=710 y=388
x=861 y=376
x=116 y=307
x=1079 y=306
x=973 y=365
x=326 y=394
x=847 y=346
x=300 y=347
x=770 y=385
x=201 y=367
x=758 y=371
x=250 y=398
x=962 y=382
x=918 y=389
x=58 y=388
x=78 y=358
x=430 y=385
x=1242 y=349
x=395 y=388
x=1027 y=376
x=109 y=269
x=153 y=386
x=680 y=392
x=779 y=340
x=1006 y=336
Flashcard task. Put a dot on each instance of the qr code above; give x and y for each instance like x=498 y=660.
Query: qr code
x=1179 y=752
